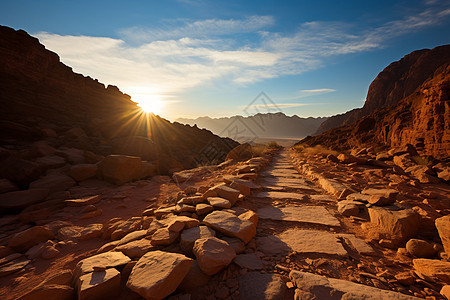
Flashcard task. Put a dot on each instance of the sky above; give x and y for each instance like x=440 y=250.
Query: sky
x=192 y=58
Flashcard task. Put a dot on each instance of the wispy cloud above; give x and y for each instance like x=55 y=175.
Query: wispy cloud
x=197 y=29
x=169 y=60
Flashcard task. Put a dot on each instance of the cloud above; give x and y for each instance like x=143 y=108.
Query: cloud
x=168 y=61
x=197 y=29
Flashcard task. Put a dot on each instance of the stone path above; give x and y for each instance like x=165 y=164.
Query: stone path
x=281 y=175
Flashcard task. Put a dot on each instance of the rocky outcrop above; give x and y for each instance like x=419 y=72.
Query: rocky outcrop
x=421 y=119
x=398 y=80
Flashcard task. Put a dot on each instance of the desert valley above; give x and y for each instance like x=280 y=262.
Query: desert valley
x=100 y=199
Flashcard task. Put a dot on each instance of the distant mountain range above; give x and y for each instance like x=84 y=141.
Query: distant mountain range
x=269 y=125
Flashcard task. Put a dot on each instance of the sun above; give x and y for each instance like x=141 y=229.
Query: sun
x=150 y=103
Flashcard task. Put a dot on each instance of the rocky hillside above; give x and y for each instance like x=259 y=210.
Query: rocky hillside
x=269 y=125
x=43 y=99
x=421 y=119
x=397 y=81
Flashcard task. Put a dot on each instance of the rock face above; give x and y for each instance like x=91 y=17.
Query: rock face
x=406 y=106
x=157 y=274
x=395 y=82
x=38 y=89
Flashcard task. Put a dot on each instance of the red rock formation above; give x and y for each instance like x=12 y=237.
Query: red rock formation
x=40 y=97
x=397 y=81
x=421 y=119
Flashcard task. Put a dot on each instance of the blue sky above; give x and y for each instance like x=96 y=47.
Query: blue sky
x=192 y=58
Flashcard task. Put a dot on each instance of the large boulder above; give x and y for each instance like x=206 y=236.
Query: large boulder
x=433 y=268
x=104 y=260
x=99 y=285
x=18 y=200
x=230 y=225
x=120 y=169
x=83 y=171
x=189 y=236
x=53 y=182
x=19 y=171
x=443 y=227
x=397 y=224
x=157 y=274
x=213 y=254
x=26 y=239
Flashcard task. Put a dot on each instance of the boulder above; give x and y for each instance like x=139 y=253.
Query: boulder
x=189 y=236
x=445 y=291
x=218 y=202
x=99 y=285
x=349 y=208
x=213 y=254
x=91 y=231
x=164 y=237
x=50 y=162
x=443 y=227
x=83 y=171
x=321 y=287
x=157 y=274
x=132 y=236
x=195 y=278
x=249 y=261
x=420 y=248
x=53 y=182
x=203 y=209
x=433 y=268
x=120 y=169
x=226 y=192
x=231 y=225
x=19 y=171
x=136 y=249
x=104 y=260
x=349 y=159
x=26 y=239
x=18 y=200
x=249 y=215
x=397 y=224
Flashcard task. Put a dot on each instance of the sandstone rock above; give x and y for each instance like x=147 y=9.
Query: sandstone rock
x=192 y=200
x=157 y=274
x=242 y=151
x=136 y=248
x=50 y=162
x=195 y=278
x=164 y=237
x=92 y=214
x=189 y=236
x=433 y=268
x=7 y=186
x=248 y=261
x=83 y=201
x=91 y=231
x=226 y=192
x=397 y=224
x=218 y=202
x=53 y=182
x=20 y=171
x=13 y=266
x=444 y=174
x=320 y=287
x=104 y=260
x=213 y=254
x=445 y=291
x=68 y=233
x=348 y=159
x=235 y=243
x=280 y=195
x=99 y=285
x=63 y=277
x=5 y=251
x=26 y=239
x=187 y=221
x=405 y=278
x=125 y=227
x=420 y=248
x=160 y=212
x=120 y=169
x=249 y=216
x=255 y=285
x=203 y=209
x=380 y=200
x=42 y=148
x=358 y=244
x=403 y=161
x=349 y=207
x=231 y=225
x=132 y=236
x=18 y=200
x=83 y=171
x=443 y=227
x=50 y=292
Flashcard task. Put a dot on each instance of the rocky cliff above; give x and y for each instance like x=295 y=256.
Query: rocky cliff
x=421 y=119
x=397 y=81
x=41 y=98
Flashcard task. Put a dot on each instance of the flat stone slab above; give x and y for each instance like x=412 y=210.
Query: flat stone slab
x=282 y=173
x=301 y=241
x=327 y=198
x=321 y=287
x=13 y=266
x=280 y=195
x=305 y=214
x=358 y=244
x=284 y=179
x=282 y=185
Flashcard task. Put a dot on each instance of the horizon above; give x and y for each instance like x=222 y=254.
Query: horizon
x=195 y=58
